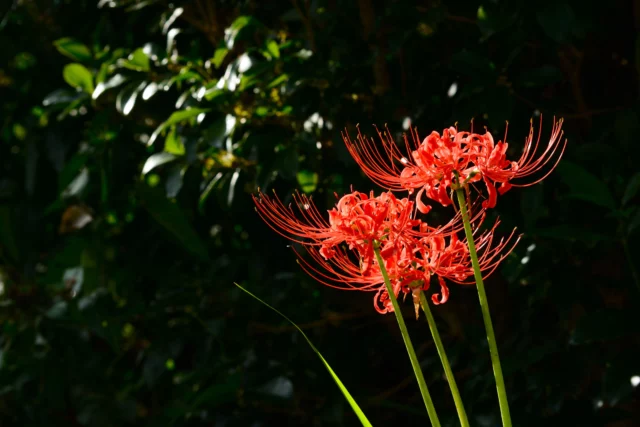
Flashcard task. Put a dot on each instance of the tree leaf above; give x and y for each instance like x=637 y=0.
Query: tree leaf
x=102 y=73
x=73 y=105
x=173 y=144
x=236 y=28
x=174 y=180
x=73 y=49
x=219 y=56
x=180 y=116
x=585 y=186
x=175 y=118
x=115 y=81
x=354 y=405
x=157 y=159
x=278 y=81
x=207 y=191
x=171 y=217
x=126 y=99
x=273 y=48
x=150 y=90
x=74 y=218
x=184 y=97
x=71 y=169
x=78 y=76
x=308 y=180
x=491 y=20
x=232 y=186
x=78 y=184
x=57 y=310
x=170 y=21
x=171 y=39
x=59 y=96
x=137 y=61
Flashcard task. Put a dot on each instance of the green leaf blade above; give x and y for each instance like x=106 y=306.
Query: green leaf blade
x=308 y=181
x=77 y=75
x=354 y=405
x=72 y=48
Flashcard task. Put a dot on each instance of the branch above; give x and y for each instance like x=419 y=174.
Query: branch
x=307 y=23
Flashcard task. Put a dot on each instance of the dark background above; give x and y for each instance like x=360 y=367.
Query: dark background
x=120 y=246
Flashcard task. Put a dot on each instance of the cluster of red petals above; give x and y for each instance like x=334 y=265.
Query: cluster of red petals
x=358 y=220
x=443 y=160
x=342 y=246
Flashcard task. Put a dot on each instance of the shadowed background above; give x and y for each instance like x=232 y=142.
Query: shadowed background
x=134 y=132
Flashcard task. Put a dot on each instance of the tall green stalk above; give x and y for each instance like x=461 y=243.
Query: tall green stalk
x=486 y=316
x=462 y=415
x=431 y=410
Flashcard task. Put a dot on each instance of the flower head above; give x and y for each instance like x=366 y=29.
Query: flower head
x=443 y=162
x=449 y=258
x=358 y=220
x=342 y=248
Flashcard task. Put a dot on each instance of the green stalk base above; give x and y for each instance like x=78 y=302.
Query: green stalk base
x=428 y=403
x=462 y=415
x=486 y=316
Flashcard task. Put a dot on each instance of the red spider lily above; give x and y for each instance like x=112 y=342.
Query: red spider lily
x=441 y=162
x=494 y=167
x=451 y=261
x=410 y=266
x=360 y=222
x=343 y=271
x=357 y=220
x=342 y=248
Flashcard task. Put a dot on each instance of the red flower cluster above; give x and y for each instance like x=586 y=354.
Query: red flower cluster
x=342 y=247
x=440 y=163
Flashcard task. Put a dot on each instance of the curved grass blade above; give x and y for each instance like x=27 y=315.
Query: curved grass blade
x=361 y=416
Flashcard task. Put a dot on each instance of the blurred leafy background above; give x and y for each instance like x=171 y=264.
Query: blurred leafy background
x=133 y=133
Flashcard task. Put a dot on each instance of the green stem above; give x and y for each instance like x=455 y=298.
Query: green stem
x=462 y=415
x=486 y=316
x=431 y=410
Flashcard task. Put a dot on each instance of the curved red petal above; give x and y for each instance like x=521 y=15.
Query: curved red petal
x=444 y=293
x=420 y=205
x=493 y=194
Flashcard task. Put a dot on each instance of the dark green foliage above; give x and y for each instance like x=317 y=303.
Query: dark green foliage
x=133 y=133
